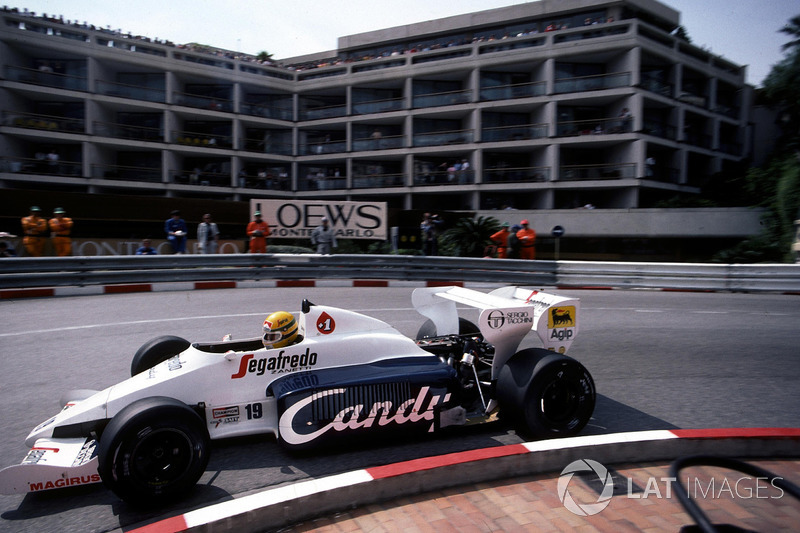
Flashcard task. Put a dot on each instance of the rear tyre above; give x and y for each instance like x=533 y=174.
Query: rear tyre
x=153 y=451
x=428 y=328
x=546 y=394
x=157 y=351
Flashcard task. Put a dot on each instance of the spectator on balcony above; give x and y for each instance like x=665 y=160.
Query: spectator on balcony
x=625 y=120
x=527 y=241
x=60 y=230
x=258 y=231
x=176 y=230
x=207 y=235
x=34 y=229
x=6 y=250
x=52 y=162
x=650 y=166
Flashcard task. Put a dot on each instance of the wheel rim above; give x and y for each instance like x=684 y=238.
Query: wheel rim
x=161 y=457
x=558 y=402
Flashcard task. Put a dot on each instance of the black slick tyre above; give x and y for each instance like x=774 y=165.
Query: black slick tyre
x=155 y=351
x=153 y=451
x=546 y=394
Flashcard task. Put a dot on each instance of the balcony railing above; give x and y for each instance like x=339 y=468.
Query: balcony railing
x=524 y=132
x=324 y=147
x=265 y=180
x=660 y=129
x=516 y=175
x=203 y=102
x=592 y=83
x=43 y=122
x=442 y=99
x=131 y=91
x=444 y=177
x=597 y=172
x=379 y=143
x=119 y=172
x=21 y=165
x=262 y=146
x=47 y=79
x=266 y=111
x=594 y=127
x=323 y=183
x=517 y=90
x=378 y=106
x=203 y=140
x=126 y=131
x=317 y=113
x=378 y=181
x=439 y=138
x=658 y=87
x=200 y=178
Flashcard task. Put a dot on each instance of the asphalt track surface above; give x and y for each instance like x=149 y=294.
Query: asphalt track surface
x=660 y=360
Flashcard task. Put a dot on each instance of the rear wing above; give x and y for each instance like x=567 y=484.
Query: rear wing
x=507 y=315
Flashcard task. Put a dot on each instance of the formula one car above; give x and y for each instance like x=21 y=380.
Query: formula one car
x=348 y=376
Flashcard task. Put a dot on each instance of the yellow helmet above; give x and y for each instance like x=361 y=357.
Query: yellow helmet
x=280 y=329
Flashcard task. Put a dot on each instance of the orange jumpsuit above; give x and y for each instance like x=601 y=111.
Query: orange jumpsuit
x=34 y=229
x=258 y=244
x=60 y=228
x=501 y=240
x=527 y=239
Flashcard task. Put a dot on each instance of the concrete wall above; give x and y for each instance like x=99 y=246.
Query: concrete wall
x=640 y=223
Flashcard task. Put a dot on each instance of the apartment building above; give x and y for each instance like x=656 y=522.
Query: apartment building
x=553 y=104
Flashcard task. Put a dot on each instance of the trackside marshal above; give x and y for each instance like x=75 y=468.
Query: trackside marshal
x=296 y=219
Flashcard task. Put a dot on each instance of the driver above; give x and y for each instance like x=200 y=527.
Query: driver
x=280 y=329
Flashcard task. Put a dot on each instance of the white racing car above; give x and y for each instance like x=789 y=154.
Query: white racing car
x=347 y=376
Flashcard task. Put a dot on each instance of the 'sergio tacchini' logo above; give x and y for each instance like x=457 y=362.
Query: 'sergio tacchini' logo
x=496 y=319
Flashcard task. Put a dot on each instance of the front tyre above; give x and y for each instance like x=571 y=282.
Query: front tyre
x=156 y=351
x=153 y=451
x=547 y=394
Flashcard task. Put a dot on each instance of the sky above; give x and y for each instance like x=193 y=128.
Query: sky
x=742 y=31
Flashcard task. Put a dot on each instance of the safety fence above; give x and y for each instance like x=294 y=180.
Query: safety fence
x=106 y=270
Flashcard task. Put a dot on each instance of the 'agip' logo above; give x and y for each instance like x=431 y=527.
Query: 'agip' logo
x=561 y=317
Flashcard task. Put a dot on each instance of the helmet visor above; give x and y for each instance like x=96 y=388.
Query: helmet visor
x=272 y=337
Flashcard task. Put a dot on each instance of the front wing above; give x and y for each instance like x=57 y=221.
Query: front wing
x=53 y=464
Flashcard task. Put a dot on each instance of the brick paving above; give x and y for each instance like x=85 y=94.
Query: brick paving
x=531 y=503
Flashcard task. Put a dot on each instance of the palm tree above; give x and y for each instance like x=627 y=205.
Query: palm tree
x=792 y=28
x=470 y=236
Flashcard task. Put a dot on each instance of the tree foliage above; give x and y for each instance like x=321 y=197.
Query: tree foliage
x=469 y=237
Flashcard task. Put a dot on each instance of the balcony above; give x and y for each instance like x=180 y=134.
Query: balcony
x=516 y=175
x=198 y=177
x=266 y=111
x=379 y=143
x=203 y=140
x=262 y=146
x=597 y=172
x=46 y=79
x=323 y=183
x=441 y=138
x=318 y=113
x=592 y=83
x=130 y=91
x=203 y=102
x=125 y=131
x=21 y=165
x=378 y=181
x=442 y=99
x=524 y=132
x=325 y=147
x=594 y=127
x=47 y=123
x=444 y=177
x=660 y=129
x=378 y=106
x=126 y=173
x=510 y=92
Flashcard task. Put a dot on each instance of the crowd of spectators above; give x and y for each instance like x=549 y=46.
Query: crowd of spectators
x=308 y=65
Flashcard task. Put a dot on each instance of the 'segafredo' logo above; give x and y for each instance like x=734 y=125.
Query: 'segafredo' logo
x=278 y=364
x=357 y=416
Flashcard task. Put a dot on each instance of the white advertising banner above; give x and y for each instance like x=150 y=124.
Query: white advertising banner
x=296 y=219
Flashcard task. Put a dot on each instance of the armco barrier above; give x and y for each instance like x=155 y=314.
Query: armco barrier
x=17 y=273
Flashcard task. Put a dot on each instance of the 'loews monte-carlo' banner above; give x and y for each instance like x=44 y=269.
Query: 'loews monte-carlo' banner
x=296 y=219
